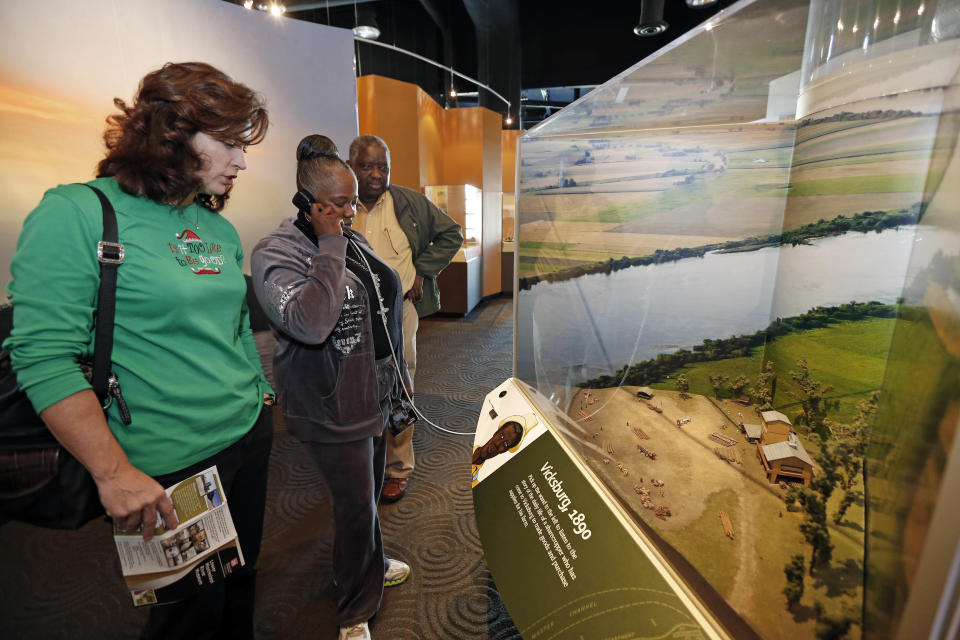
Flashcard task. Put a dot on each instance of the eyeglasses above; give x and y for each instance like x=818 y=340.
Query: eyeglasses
x=234 y=145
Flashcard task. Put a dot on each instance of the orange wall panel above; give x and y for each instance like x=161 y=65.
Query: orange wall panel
x=463 y=146
x=366 y=106
x=389 y=111
x=430 y=132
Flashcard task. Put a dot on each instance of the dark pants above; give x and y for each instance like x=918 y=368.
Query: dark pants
x=354 y=473
x=225 y=609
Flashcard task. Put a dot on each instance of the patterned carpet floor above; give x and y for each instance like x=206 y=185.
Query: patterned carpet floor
x=66 y=585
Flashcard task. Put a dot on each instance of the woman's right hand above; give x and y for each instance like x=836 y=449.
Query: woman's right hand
x=325 y=220
x=131 y=498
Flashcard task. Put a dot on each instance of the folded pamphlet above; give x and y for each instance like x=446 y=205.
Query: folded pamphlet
x=176 y=563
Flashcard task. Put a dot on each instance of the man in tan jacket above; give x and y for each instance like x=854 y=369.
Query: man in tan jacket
x=416 y=238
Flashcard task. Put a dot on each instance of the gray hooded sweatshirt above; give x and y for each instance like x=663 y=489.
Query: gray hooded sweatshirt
x=328 y=381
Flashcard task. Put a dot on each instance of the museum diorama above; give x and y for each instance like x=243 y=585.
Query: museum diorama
x=736 y=383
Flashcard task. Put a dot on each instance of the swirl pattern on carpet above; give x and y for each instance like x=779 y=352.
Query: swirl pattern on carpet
x=66 y=585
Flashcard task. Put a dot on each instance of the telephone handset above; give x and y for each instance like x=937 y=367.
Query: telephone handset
x=302 y=200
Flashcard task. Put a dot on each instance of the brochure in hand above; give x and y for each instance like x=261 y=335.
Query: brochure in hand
x=202 y=550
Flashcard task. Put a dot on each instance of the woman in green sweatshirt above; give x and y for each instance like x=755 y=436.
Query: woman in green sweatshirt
x=183 y=349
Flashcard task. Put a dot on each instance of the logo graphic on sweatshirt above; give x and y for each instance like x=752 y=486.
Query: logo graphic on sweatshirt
x=188 y=236
x=349 y=330
x=202 y=258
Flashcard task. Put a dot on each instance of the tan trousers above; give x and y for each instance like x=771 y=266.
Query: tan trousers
x=400 y=448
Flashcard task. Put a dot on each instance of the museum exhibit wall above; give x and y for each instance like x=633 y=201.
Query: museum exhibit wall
x=737 y=326
x=63 y=62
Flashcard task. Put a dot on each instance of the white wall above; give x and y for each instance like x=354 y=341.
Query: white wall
x=62 y=62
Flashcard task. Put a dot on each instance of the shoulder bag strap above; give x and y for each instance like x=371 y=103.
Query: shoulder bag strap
x=110 y=256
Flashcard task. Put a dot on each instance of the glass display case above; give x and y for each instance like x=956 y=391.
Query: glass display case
x=507 y=244
x=737 y=314
x=509 y=220
x=463 y=203
x=462 y=280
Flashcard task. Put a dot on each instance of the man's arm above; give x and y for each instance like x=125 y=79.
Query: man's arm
x=415 y=294
x=445 y=238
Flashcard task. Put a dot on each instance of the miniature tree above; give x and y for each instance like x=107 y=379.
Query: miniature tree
x=831 y=627
x=794 y=571
x=765 y=388
x=848 y=444
x=812 y=397
x=829 y=474
x=814 y=528
x=848 y=498
x=813 y=500
x=792 y=496
x=856 y=443
x=771 y=371
x=683 y=385
x=740 y=383
x=850 y=448
x=717 y=381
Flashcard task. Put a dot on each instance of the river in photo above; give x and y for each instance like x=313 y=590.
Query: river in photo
x=595 y=324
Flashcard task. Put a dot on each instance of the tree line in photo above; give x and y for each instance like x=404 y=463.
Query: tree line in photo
x=863 y=222
x=873 y=114
x=665 y=364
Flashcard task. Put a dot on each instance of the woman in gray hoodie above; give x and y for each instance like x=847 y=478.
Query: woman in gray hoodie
x=338 y=366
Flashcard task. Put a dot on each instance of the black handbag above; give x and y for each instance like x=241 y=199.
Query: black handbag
x=40 y=482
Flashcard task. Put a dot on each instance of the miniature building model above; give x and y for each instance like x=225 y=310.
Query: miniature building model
x=645 y=392
x=776 y=427
x=754 y=432
x=786 y=460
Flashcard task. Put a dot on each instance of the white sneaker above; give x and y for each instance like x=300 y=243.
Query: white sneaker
x=397 y=572
x=356 y=632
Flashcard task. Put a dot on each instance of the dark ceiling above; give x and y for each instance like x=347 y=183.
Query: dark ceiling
x=516 y=47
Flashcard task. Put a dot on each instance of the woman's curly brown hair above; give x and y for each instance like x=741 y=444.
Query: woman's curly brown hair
x=148 y=144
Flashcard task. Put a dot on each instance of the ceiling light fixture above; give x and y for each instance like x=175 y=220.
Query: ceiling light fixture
x=365 y=25
x=450 y=70
x=509 y=120
x=651 y=19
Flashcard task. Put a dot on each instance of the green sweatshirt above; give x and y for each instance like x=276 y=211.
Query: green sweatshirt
x=182 y=348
